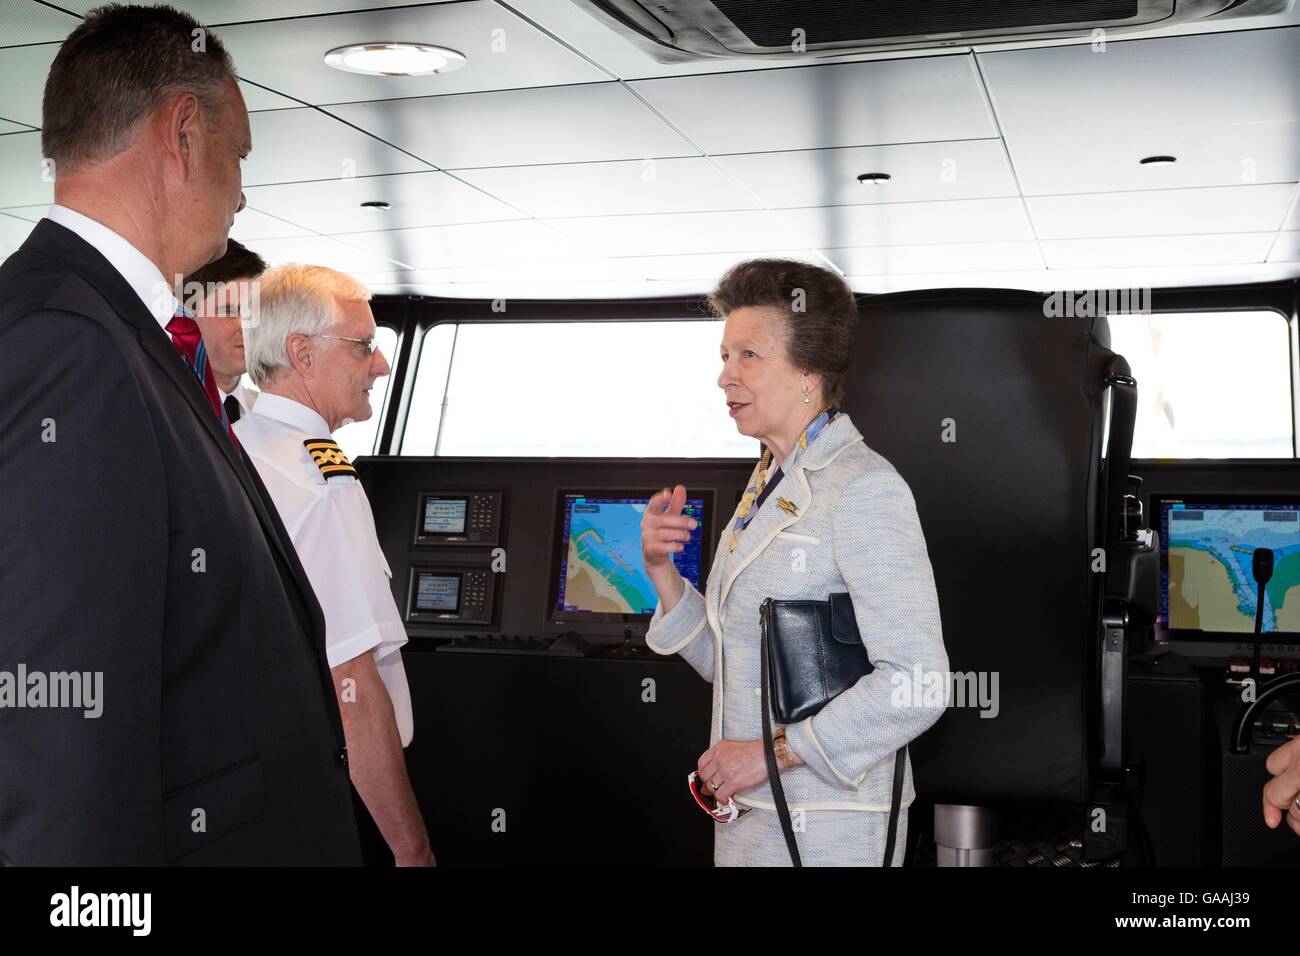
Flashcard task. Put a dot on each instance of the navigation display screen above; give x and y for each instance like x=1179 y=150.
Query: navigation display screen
x=1207 y=554
x=600 y=567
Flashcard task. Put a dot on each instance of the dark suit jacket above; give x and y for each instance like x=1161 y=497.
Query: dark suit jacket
x=139 y=544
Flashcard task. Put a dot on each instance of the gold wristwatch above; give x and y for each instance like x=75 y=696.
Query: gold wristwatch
x=784 y=758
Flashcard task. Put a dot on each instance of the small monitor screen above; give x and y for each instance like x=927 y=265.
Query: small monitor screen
x=1207 y=582
x=437 y=592
x=444 y=515
x=600 y=567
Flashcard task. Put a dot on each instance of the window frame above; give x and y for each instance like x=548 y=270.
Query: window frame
x=414 y=316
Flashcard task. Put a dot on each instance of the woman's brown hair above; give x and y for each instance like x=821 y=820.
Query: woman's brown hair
x=819 y=311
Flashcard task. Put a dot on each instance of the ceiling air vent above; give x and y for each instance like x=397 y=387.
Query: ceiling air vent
x=674 y=31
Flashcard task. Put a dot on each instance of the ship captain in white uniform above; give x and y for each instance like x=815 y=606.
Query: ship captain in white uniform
x=311 y=351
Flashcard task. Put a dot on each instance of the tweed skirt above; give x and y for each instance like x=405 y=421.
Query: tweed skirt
x=829 y=838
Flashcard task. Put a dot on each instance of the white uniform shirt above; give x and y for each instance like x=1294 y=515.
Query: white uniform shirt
x=333 y=531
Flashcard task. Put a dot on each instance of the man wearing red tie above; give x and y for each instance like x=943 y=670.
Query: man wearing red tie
x=136 y=542
x=222 y=296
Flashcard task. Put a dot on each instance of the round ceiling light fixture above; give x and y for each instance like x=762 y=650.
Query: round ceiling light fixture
x=1157 y=160
x=874 y=178
x=377 y=205
x=394 y=59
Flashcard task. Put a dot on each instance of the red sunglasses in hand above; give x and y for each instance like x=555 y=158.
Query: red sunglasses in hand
x=709 y=803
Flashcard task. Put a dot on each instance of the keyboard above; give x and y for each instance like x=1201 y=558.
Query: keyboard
x=498 y=645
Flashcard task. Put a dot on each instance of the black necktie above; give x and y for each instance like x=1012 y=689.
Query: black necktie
x=232 y=408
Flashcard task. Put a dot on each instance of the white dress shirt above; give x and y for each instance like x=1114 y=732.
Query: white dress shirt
x=333 y=531
x=140 y=272
x=245 y=395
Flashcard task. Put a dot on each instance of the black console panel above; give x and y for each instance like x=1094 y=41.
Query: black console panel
x=471 y=542
x=516 y=742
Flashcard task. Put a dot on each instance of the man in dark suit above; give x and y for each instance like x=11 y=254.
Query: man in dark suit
x=140 y=561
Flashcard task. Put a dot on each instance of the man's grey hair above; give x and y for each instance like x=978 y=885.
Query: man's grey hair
x=293 y=299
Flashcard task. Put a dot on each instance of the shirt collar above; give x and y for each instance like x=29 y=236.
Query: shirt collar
x=240 y=393
x=292 y=413
x=140 y=272
x=838 y=432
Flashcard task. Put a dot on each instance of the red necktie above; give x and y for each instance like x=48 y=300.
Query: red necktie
x=189 y=342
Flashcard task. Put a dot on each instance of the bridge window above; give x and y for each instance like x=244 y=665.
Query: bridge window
x=1210 y=384
x=591 y=389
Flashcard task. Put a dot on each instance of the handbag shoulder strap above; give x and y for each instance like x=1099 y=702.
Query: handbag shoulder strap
x=769 y=752
x=895 y=804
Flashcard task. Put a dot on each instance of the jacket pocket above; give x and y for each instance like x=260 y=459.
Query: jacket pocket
x=208 y=809
x=795 y=536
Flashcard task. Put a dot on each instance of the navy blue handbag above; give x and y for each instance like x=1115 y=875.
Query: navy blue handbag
x=810 y=653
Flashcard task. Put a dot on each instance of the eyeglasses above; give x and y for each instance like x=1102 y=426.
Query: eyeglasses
x=709 y=803
x=371 y=343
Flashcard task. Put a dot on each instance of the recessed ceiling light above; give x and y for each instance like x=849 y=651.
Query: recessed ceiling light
x=394 y=59
x=376 y=204
x=874 y=178
x=1158 y=160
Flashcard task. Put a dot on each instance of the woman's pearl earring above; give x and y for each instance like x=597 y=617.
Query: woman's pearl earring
x=806 y=399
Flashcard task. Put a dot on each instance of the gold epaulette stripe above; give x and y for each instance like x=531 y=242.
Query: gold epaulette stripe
x=329 y=458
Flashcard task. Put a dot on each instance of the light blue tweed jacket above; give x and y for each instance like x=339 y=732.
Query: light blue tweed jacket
x=854 y=529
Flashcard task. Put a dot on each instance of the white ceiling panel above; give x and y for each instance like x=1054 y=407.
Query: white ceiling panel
x=25 y=21
x=323 y=251
x=1163 y=212
x=958 y=221
x=306 y=144
x=599 y=289
x=617 y=188
x=1293 y=217
x=236 y=11
x=682 y=233
x=563 y=124
x=252 y=224
x=704 y=269
x=22 y=171
x=502 y=52
x=969 y=169
x=24 y=69
x=1286 y=248
x=33 y=213
x=440 y=247
x=853 y=104
x=1243 y=77
x=256 y=98
x=940 y=257
x=12 y=234
x=826 y=227
x=1156 y=251
x=1049 y=280
x=416 y=199
x=1107 y=161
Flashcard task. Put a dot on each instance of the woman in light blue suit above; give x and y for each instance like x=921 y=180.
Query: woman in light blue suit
x=823 y=513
